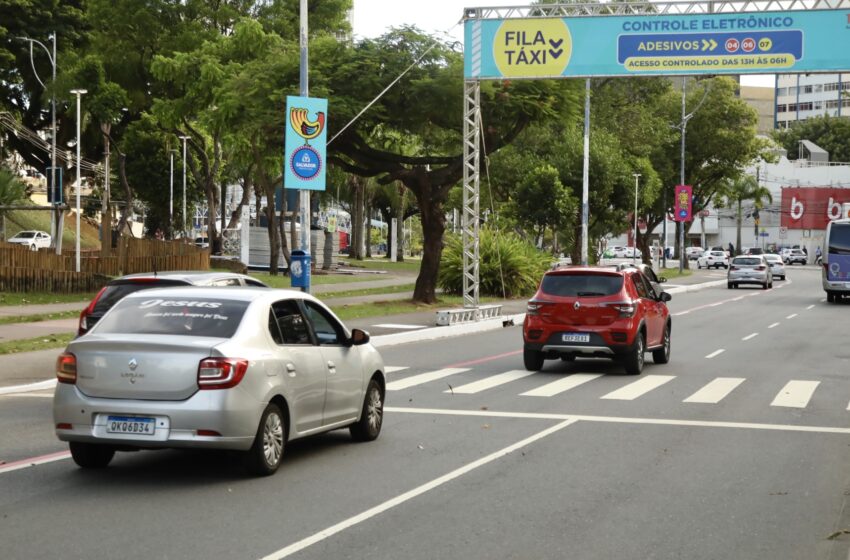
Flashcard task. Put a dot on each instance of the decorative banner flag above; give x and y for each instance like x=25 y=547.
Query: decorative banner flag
x=684 y=198
x=306 y=139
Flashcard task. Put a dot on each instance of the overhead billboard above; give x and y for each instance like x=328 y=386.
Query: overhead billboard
x=813 y=207
x=647 y=45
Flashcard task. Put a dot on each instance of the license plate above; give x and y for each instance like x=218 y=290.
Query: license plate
x=575 y=338
x=130 y=425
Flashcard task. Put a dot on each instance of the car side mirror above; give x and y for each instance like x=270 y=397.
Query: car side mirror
x=665 y=297
x=359 y=337
x=662 y=279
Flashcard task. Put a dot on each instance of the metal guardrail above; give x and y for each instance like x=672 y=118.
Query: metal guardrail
x=447 y=317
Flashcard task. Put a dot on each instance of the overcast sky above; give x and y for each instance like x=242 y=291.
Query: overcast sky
x=371 y=18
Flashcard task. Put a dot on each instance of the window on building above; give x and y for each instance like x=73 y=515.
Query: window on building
x=845 y=102
x=792 y=107
x=831 y=103
x=818 y=88
x=833 y=86
x=806 y=89
x=807 y=106
x=780 y=108
x=818 y=105
x=781 y=91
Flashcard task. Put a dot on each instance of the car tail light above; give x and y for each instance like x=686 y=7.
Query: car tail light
x=221 y=373
x=760 y=267
x=733 y=267
x=624 y=309
x=83 y=326
x=64 y=426
x=534 y=334
x=66 y=368
x=535 y=307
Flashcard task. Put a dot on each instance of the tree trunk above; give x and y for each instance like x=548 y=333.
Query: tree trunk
x=368 y=212
x=236 y=215
x=271 y=228
x=433 y=229
x=399 y=224
x=357 y=219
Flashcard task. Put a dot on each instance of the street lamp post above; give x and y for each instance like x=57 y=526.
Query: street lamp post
x=78 y=93
x=55 y=237
x=634 y=238
x=185 y=227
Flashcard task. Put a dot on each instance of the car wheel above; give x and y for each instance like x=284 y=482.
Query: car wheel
x=267 y=451
x=91 y=455
x=33 y=247
x=830 y=298
x=765 y=286
x=662 y=355
x=729 y=285
x=371 y=417
x=634 y=359
x=532 y=359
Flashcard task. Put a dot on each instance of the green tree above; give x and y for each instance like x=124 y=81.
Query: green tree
x=738 y=191
x=12 y=190
x=830 y=133
x=541 y=184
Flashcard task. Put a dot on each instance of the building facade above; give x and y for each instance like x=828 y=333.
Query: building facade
x=802 y=96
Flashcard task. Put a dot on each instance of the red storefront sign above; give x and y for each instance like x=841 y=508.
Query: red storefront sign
x=813 y=207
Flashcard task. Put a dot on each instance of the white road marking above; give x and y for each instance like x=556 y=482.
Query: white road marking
x=749 y=336
x=810 y=307
x=414 y=380
x=715 y=391
x=795 y=394
x=773 y=325
x=490 y=382
x=623 y=420
x=791 y=316
x=398 y=326
x=26 y=463
x=739 y=298
x=561 y=385
x=715 y=353
x=48 y=384
x=639 y=388
x=28 y=395
x=393 y=369
x=418 y=491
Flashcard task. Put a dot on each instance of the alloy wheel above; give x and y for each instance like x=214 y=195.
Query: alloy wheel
x=273 y=439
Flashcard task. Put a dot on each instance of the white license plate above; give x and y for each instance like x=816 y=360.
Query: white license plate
x=130 y=425
x=575 y=338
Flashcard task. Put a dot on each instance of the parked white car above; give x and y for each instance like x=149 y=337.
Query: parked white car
x=32 y=239
x=693 y=253
x=713 y=259
x=626 y=252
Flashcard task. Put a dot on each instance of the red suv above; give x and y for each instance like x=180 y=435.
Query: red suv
x=597 y=312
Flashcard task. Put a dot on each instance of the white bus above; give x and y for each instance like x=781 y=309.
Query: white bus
x=836 y=260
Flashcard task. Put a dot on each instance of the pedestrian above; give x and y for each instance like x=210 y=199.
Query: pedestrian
x=731 y=249
x=818 y=255
x=805 y=252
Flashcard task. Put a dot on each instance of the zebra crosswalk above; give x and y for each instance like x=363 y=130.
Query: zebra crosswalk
x=796 y=393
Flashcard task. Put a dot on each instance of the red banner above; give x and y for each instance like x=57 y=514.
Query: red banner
x=813 y=207
x=684 y=197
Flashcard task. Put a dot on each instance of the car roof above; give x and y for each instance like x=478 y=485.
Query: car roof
x=236 y=293
x=187 y=276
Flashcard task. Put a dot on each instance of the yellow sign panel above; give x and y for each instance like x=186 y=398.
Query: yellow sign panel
x=532 y=47
x=728 y=62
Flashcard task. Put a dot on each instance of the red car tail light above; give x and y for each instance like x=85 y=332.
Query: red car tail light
x=625 y=309
x=82 y=327
x=733 y=268
x=221 y=373
x=64 y=426
x=760 y=267
x=535 y=307
x=534 y=334
x=66 y=368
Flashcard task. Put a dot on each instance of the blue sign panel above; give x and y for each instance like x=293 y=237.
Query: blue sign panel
x=644 y=45
x=306 y=138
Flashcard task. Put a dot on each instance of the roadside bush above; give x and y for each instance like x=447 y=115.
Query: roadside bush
x=522 y=265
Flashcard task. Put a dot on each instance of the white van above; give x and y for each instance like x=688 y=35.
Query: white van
x=836 y=260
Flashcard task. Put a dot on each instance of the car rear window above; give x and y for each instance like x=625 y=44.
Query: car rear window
x=747 y=261
x=566 y=285
x=26 y=235
x=839 y=239
x=773 y=258
x=116 y=292
x=188 y=316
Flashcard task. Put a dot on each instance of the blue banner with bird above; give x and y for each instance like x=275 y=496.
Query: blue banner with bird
x=305 y=143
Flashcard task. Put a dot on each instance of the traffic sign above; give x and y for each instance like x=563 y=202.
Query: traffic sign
x=783 y=233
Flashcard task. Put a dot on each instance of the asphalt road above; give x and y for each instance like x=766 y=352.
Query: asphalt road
x=738 y=448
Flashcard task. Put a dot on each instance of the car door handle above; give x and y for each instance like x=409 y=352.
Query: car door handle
x=331 y=366
x=290 y=369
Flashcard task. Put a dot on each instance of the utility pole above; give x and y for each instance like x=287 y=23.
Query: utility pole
x=585 y=177
x=79 y=93
x=304 y=197
x=634 y=238
x=682 y=180
x=171 y=195
x=185 y=228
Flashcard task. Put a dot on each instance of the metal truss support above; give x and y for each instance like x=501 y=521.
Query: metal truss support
x=646 y=7
x=471 y=177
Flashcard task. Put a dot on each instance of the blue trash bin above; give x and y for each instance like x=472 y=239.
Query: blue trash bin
x=299 y=270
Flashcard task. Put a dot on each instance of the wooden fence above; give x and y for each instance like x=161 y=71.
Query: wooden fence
x=22 y=270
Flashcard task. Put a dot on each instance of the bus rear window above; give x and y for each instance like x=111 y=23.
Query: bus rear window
x=839 y=239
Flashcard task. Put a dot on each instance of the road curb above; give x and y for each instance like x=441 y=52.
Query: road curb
x=695 y=287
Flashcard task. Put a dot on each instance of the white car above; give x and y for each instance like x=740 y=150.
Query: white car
x=626 y=252
x=32 y=239
x=713 y=259
x=693 y=253
x=777 y=267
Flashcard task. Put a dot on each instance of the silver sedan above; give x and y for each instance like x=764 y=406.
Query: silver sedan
x=238 y=368
x=749 y=269
x=777 y=267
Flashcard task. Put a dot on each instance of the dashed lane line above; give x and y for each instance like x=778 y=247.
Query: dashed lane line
x=773 y=325
x=791 y=316
x=795 y=394
x=715 y=353
x=750 y=336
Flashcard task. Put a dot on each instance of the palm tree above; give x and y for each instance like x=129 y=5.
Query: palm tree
x=12 y=190
x=745 y=188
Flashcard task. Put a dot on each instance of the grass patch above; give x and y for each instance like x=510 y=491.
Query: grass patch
x=671 y=273
x=19 y=220
x=40 y=298
x=39 y=317
x=330 y=296
x=38 y=343
x=383 y=264
x=383 y=308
